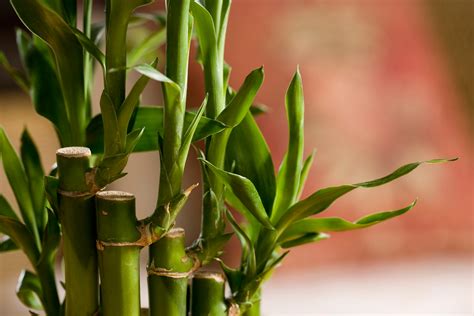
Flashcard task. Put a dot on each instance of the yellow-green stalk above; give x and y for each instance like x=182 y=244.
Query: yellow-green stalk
x=208 y=294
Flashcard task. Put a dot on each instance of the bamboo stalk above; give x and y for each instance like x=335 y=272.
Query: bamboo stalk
x=254 y=309
x=168 y=273
x=77 y=216
x=208 y=294
x=118 y=244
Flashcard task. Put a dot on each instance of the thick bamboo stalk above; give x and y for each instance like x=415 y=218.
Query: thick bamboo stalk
x=77 y=216
x=118 y=244
x=168 y=273
x=208 y=294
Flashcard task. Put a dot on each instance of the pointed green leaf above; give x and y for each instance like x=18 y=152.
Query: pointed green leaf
x=233 y=276
x=305 y=239
x=151 y=44
x=29 y=290
x=132 y=139
x=112 y=140
x=51 y=239
x=205 y=29
x=20 y=235
x=18 y=181
x=257 y=167
x=6 y=209
x=90 y=47
x=304 y=172
x=35 y=174
x=238 y=107
x=68 y=52
x=244 y=190
x=51 y=185
x=322 y=199
x=288 y=180
x=45 y=88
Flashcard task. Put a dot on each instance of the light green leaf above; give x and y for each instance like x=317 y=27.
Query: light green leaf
x=29 y=290
x=305 y=171
x=35 y=175
x=205 y=29
x=238 y=107
x=322 y=199
x=132 y=139
x=288 y=180
x=305 y=239
x=244 y=190
x=258 y=167
x=151 y=44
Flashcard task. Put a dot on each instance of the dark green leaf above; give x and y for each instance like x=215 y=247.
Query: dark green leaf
x=112 y=140
x=51 y=239
x=18 y=181
x=68 y=52
x=244 y=190
x=20 y=235
x=322 y=199
x=7 y=244
x=6 y=209
x=51 y=185
x=45 y=89
x=152 y=119
x=238 y=107
x=132 y=139
x=288 y=180
x=257 y=167
x=35 y=174
x=233 y=276
x=90 y=47
x=29 y=290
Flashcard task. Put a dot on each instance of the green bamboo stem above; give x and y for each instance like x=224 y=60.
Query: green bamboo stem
x=208 y=294
x=50 y=298
x=118 y=244
x=168 y=273
x=77 y=216
x=254 y=310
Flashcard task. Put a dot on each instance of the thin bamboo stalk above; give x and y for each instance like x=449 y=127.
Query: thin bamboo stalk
x=77 y=216
x=118 y=244
x=208 y=294
x=168 y=273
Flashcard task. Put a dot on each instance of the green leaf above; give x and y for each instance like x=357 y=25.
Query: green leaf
x=189 y=134
x=29 y=290
x=6 y=209
x=244 y=190
x=132 y=139
x=322 y=199
x=151 y=44
x=45 y=88
x=205 y=29
x=14 y=73
x=20 y=235
x=238 y=107
x=50 y=27
x=305 y=239
x=35 y=175
x=51 y=185
x=305 y=171
x=249 y=261
x=152 y=119
x=90 y=47
x=18 y=181
x=7 y=244
x=51 y=239
x=288 y=180
x=233 y=276
x=257 y=167
x=112 y=142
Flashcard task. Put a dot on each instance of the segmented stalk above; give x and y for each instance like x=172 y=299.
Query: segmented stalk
x=119 y=253
x=208 y=294
x=77 y=216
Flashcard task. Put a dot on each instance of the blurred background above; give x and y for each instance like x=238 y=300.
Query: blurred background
x=386 y=82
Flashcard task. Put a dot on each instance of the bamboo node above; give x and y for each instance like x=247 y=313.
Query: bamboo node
x=234 y=309
x=169 y=273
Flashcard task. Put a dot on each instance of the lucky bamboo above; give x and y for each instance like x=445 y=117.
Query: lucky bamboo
x=208 y=294
x=77 y=216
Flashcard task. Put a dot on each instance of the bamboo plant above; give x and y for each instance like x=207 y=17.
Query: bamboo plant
x=61 y=52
